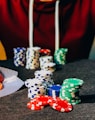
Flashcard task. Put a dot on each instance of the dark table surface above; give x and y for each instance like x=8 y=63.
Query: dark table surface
x=13 y=107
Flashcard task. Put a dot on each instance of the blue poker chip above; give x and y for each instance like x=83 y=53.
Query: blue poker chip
x=54 y=90
x=19 y=56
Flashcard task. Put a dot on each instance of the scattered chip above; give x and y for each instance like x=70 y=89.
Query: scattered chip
x=60 y=105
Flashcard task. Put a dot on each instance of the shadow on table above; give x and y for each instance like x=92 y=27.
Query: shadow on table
x=88 y=98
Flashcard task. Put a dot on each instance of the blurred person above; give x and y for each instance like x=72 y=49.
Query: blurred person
x=76 y=25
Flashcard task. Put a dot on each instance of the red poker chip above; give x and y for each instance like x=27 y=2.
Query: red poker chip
x=60 y=105
x=38 y=102
x=34 y=105
x=44 y=100
x=45 y=52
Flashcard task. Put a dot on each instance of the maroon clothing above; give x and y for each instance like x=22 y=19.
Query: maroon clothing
x=77 y=25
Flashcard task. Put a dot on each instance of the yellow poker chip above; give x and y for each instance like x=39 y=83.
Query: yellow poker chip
x=60 y=105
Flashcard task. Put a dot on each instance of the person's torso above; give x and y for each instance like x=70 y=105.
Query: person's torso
x=74 y=19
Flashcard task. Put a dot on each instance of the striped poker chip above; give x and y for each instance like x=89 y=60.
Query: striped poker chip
x=54 y=90
x=60 y=105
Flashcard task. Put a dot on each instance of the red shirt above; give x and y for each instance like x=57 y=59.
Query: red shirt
x=77 y=26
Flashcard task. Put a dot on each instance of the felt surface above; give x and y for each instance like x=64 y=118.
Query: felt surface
x=13 y=107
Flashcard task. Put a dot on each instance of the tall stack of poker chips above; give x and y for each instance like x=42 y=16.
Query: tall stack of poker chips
x=35 y=88
x=46 y=63
x=60 y=56
x=70 y=90
x=32 y=58
x=19 y=56
x=45 y=76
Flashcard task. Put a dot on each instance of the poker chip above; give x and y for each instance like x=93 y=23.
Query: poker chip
x=44 y=100
x=35 y=87
x=60 y=56
x=38 y=102
x=45 y=59
x=33 y=83
x=75 y=101
x=45 y=76
x=70 y=90
x=37 y=91
x=44 y=52
x=34 y=105
x=49 y=67
x=60 y=105
x=73 y=82
x=54 y=90
x=32 y=58
x=19 y=56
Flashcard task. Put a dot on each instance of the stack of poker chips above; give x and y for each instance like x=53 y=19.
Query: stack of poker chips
x=54 y=90
x=46 y=63
x=19 y=56
x=60 y=56
x=35 y=88
x=32 y=58
x=70 y=90
x=45 y=76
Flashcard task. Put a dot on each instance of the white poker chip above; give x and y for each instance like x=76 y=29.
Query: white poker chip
x=32 y=82
x=49 y=67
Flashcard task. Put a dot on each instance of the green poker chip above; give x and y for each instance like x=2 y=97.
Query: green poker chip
x=67 y=94
x=75 y=82
x=64 y=93
x=74 y=102
x=70 y=90
x=60 y=56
